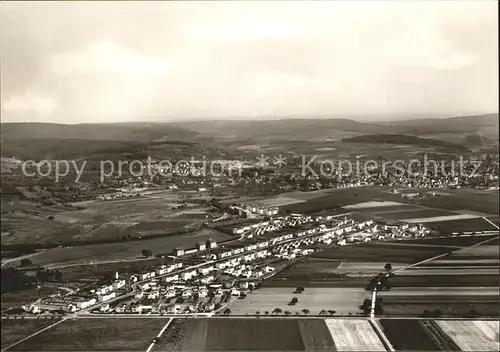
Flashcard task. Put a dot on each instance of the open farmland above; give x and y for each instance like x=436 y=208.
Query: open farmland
x=15 y=330
x=241 y=335
x=102 y=220
x=479 y=335
x=95 y=335
x=482 y=201
x=380 y=252
x=408 y=335
x=449 y=303
x=354 y=335
x=88 y=254
x=340 y=197
x=315 y=299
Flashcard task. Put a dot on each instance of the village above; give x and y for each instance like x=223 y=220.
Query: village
x=208 y=277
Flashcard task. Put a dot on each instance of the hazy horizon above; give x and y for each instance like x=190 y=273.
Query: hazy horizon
x=106 y=62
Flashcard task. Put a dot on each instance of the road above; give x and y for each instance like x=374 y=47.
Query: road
x=159 y=335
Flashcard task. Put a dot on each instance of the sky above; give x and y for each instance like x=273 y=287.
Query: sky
x=72 y=62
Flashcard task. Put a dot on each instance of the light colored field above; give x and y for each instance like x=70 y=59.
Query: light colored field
x=465 y=261
x=370 y=267
x=373 y=204
x=61 y=257
x=441 y=291
x=479 y=251
x=441 y=218
x=305 y=195
x=354 y=335
x=343 y=301
x=278 y=201
x=478 y=335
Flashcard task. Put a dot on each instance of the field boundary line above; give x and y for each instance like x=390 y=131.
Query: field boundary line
x=443 y=255
x=160 y=334
x=34 y=334
x=380 y=332
x=492 y=223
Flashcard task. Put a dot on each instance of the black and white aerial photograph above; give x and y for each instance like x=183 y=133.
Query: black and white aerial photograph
x=250 y=176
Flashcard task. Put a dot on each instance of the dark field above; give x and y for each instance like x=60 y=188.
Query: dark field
x=374 y=252
x=409 y=214
x=242 y=335
x=455 y=241
x=340 y=197
x=460 y=226
x=464 y=199
x=445 y=281
x=96 y=335
x=408 y=335
x=15 y=330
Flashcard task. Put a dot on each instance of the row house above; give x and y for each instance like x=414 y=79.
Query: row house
x=172 y=278
x=119 y=284
x=207 y=279
x=106 y=297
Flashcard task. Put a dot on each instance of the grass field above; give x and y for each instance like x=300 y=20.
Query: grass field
x=58 y=257
x=380 y=252
x=340 y=197
x=96 y=335
x=342 y=300
x=100 y=219
x=15 y=330
x=473 y=335
x=450 y=306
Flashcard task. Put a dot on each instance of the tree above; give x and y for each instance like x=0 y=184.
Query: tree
x=294 y=301
x=323 y=312
x=257 y=313
x=277 y=311
x=388 y=267
x=332 y=312
x=305 y=311
x=300 y=289
x=366 y=306
x=147 y=253
x=266 y=312
x=227 y=311
x=287 y=312
x=26 y=262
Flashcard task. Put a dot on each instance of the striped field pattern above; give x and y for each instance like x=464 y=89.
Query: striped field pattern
x=354 y=335
x=478 y=335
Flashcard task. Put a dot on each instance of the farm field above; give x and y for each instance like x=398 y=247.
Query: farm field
x=101 y=220
x=241 y=334
x=17 y=298
x=15 y=330
x=380 y=252
x=409 y=213
x=59 y=257
x=315 y=299
x=472 y=335
x=95 y=335
x=481 y=201
x=341 y=197
x=471 y=280
x=354 y=335
x=408 y=335
x=449 y=305
x=460 y=241
x=460 y=226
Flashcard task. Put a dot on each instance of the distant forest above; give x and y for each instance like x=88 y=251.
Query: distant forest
x=403 y=139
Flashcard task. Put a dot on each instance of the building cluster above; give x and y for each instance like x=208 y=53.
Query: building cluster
x=224 y=271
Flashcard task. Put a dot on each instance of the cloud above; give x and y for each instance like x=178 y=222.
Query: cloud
x=30 y=103
x=175 y=60
x=106 y=58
